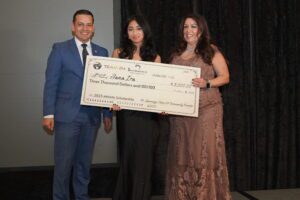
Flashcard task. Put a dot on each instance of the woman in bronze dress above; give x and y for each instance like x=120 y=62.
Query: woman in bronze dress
x=196 y=165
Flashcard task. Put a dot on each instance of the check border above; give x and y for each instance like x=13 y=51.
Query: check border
x=91 y=59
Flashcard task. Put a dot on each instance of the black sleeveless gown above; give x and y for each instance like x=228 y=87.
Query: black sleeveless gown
x=137 y=132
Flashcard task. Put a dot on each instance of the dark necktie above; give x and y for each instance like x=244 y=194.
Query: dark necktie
x=84 y=53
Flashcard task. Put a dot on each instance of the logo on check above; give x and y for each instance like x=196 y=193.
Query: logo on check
x=97 y=65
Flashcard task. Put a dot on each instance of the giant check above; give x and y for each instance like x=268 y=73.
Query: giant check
x=139 y=85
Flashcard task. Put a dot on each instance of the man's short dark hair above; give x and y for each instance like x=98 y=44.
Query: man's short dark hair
x=82 y=12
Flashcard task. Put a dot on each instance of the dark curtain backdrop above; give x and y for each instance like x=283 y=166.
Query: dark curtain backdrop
x=260 y=39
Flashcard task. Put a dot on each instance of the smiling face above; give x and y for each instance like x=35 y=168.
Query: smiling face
x=135 y=33
x=83 y=27
x=191 y=31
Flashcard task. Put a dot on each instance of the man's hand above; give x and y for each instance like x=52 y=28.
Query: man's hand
x=107 y=122
x=48 y=125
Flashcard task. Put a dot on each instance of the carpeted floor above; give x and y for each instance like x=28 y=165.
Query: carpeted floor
x=37 y=184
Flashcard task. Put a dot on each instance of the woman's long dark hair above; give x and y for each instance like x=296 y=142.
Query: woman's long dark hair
x=204 y=46
x=147 y=50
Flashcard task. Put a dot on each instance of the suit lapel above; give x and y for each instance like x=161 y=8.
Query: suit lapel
x=78 y=68
x=94 y=50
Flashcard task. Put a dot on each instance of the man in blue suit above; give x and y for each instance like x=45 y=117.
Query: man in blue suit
x=75 y=126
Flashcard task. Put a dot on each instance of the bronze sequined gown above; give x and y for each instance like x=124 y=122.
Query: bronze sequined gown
x=196 y=165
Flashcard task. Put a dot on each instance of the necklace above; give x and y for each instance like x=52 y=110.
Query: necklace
x=190 y=49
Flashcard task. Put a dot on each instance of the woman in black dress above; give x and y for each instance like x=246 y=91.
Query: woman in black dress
x=137 y=131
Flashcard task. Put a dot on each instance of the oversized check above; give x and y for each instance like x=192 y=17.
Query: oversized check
x=139 y=85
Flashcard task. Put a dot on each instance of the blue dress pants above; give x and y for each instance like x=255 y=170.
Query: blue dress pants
x=73 y=150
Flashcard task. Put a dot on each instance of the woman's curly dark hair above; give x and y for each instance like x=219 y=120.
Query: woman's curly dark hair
x=204 y=47
x=147 y=50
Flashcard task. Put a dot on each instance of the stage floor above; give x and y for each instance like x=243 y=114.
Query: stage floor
x=283 y=194
x=37 y=185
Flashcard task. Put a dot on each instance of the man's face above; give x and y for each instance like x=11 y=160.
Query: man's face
x=83 y=27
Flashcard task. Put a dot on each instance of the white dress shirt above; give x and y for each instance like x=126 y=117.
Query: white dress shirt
x=80 y=48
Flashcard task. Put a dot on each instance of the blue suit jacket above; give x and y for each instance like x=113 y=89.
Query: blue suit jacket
x=64 y=78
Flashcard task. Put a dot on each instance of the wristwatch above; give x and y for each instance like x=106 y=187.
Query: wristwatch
x=208 y=84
